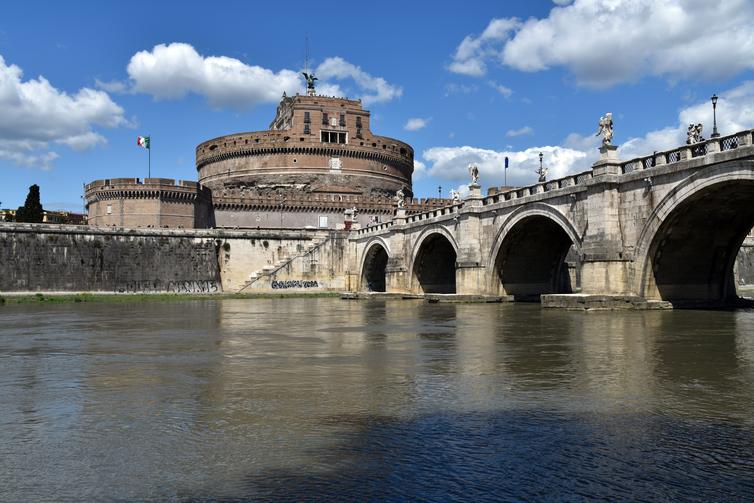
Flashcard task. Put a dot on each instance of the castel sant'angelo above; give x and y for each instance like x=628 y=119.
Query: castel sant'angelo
x=318 y=165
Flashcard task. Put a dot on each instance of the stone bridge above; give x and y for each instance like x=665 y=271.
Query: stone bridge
x=663 y=227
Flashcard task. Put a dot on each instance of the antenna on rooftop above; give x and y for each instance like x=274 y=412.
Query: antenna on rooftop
x=310 y=78
x=306 y=55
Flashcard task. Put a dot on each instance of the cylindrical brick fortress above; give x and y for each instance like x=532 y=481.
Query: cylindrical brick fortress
x=316 y=144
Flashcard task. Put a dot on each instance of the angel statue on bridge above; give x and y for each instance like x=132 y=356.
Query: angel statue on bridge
x=400 y=198
x=455 y=196
x=310 y=78
x=606 y=128
x=474 y=172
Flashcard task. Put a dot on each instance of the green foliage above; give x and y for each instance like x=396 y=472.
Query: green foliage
x=31 y=211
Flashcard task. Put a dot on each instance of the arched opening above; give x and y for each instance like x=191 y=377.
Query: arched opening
x=692 y=254
x=373 y=273
x=435 y=265
x=532 y=259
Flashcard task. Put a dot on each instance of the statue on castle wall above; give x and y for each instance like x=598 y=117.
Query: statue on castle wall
x=456 y=196
x=606 y=128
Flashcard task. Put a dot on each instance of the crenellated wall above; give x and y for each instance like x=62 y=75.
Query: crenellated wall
x=149 y=203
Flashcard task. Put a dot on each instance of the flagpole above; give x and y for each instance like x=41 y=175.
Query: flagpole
x=149 y=172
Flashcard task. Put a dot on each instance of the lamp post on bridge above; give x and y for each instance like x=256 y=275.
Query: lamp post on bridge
x=715 y=134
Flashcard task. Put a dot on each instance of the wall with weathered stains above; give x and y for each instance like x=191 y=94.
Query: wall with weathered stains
x=744 y=268
x=44 y=258
x=76 y=258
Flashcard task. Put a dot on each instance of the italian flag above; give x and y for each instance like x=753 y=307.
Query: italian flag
x=142 y=141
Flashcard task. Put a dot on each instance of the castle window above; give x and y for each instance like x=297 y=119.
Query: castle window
x=109 y=209
x=325 y=119
x=333 y=137
x=307 y=118
x=358 y=121
x=306 y=129
x=342 y=119
x=358 y=132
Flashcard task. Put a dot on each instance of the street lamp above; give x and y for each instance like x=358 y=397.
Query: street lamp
x=439 y=191
x=540 y=161
x=715 y=134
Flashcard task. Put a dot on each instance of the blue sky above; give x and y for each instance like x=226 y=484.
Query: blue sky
x=461 y=82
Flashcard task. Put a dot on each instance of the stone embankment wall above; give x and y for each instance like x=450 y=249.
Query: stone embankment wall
x=38 y=258
x=46 y=258
x=744 y=268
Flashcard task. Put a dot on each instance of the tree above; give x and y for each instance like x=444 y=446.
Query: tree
x=32 y=210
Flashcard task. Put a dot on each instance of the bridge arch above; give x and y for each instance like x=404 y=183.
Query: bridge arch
x=529 y=253
x=433 y=261
x=686 y=251
x=374 y=265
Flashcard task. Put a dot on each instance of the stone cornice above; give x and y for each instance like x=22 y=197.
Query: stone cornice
x=357 y=152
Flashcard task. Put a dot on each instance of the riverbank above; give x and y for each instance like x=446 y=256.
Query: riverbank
x=61 y=297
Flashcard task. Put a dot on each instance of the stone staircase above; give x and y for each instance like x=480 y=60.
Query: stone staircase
x=272 y=269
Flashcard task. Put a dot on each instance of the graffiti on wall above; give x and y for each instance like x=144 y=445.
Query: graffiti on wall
x=150 y=286
x=295 y=283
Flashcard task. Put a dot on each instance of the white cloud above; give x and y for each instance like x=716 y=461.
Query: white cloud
x=471 y=53
x=373 y=89
x=174 y=70
x=114 y=86
x=605 y=42
x=454 y=88
x=503 y=90
x=34 y=114
x=171 y=71
x=416 y=124
x=420 y=170
x=512 y=133
x=451 y=163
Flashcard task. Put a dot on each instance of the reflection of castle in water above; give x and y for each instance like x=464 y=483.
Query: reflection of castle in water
x=318 y=159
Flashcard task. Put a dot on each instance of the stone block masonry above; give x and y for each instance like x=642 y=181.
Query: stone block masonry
x=69 y=258
x=36 y=258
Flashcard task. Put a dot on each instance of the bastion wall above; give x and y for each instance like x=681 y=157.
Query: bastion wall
x=70 y=258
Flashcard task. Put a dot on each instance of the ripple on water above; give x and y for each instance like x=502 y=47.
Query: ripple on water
x=321 y=400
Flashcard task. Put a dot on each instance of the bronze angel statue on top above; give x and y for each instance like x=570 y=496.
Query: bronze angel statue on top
x=310 y=78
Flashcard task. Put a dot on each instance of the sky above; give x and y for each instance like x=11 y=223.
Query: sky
x=475 y=81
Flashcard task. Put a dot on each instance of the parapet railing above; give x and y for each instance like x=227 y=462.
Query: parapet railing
x=720 y=144
x=539 y=188
x=438 y=212
x=374 y=228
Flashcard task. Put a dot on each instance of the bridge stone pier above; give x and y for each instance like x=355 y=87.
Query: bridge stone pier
x=665 y=227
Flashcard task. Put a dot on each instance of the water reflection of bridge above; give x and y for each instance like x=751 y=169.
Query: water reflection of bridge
x=663 y=227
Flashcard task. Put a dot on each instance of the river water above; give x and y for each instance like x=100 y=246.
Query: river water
x=323 y=399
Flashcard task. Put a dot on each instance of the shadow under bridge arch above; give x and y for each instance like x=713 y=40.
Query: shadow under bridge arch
x=691 y=242
x=536 y=252
x=374 y=268
x=434 y=264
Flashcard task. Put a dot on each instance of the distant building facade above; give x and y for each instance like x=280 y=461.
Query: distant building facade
x=318 y=161
x=49 y=217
